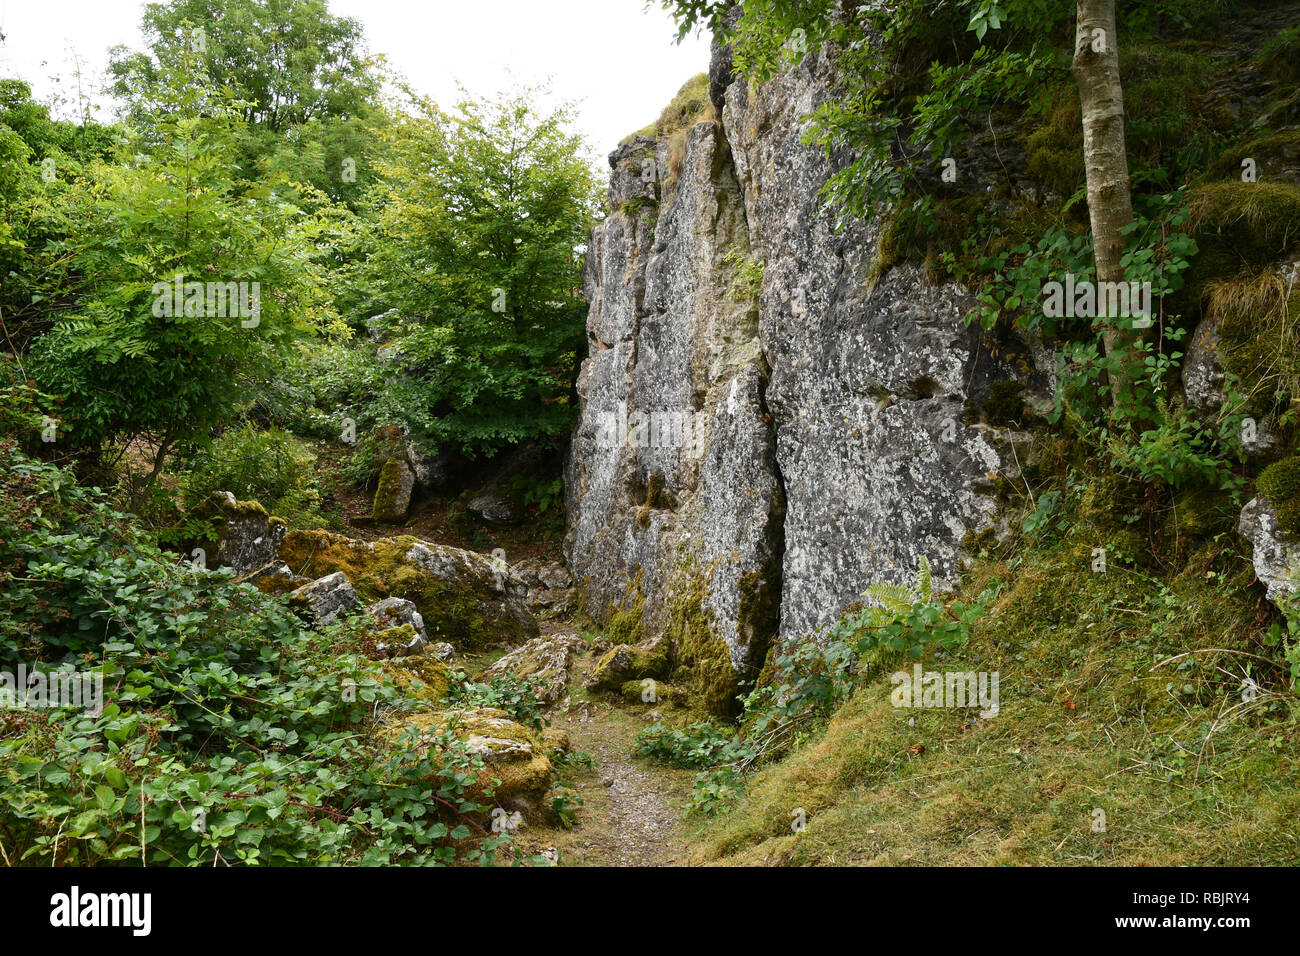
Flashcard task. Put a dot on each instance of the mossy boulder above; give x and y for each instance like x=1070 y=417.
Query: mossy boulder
x=545 y=660
x=1250 y=331
x=326 y=599
x=631 y=663
x=660 y=692
x=274 y=578
x=516 y=774
x=464 y=598
x=393 y=495
x=422 y=676
x=246 y=538
x=1280 y=484
x=401 y=640
x=556 y=741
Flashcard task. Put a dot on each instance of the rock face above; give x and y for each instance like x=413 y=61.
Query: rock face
x=328 y=598
x=673 y=494
x=1273 y=552
x=767 y=426
x=250 y=538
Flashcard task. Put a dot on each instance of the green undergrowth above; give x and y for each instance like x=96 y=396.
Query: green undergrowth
x=1146 y=715
x=225 y=733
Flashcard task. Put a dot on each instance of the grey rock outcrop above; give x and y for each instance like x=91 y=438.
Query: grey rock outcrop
x=1274 y=553
x=327 y=598
x=251 y=538
x=672 y=486
x=767 y=424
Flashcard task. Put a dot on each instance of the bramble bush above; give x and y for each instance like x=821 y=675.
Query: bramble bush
x=228 y=734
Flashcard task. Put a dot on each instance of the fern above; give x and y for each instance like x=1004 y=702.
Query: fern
x=900 y=598
x=893 y=597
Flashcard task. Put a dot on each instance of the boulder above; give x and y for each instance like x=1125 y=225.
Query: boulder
x=463 y=598
x=430 y=471
x=516 y=768
x=553 y=604
x=627 y=662
x=555 y=576
x=420 y=675
x=546 y=659
x=442 y=651
x=400 y=641
x=495 y=507
x=395 y=611
x=274 y=578
x=1274 y=552
x=327 y=598
x=393 y=495
x=249 y=537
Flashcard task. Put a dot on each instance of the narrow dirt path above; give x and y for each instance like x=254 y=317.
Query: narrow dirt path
x=632 y=812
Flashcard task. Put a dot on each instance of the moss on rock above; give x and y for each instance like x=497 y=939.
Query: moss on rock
x=1280 y=484
x=463 y=606
x=631 y=662
x=393 y=494
x=703 y=659
x=1241 y=225
x=1258 y=330
x=634 y=692
x=422 y=675
x=1005 y=404
x=517 y=773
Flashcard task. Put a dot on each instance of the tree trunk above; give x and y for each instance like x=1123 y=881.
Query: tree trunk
x=1110 y=204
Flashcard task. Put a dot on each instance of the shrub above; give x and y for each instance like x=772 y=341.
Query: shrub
x=227 y=735
x=270 y=466
x=697 y=747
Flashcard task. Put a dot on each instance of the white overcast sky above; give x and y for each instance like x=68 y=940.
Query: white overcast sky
x=616 y=58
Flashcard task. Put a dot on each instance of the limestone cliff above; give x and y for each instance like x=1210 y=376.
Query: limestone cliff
x=767 y=426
